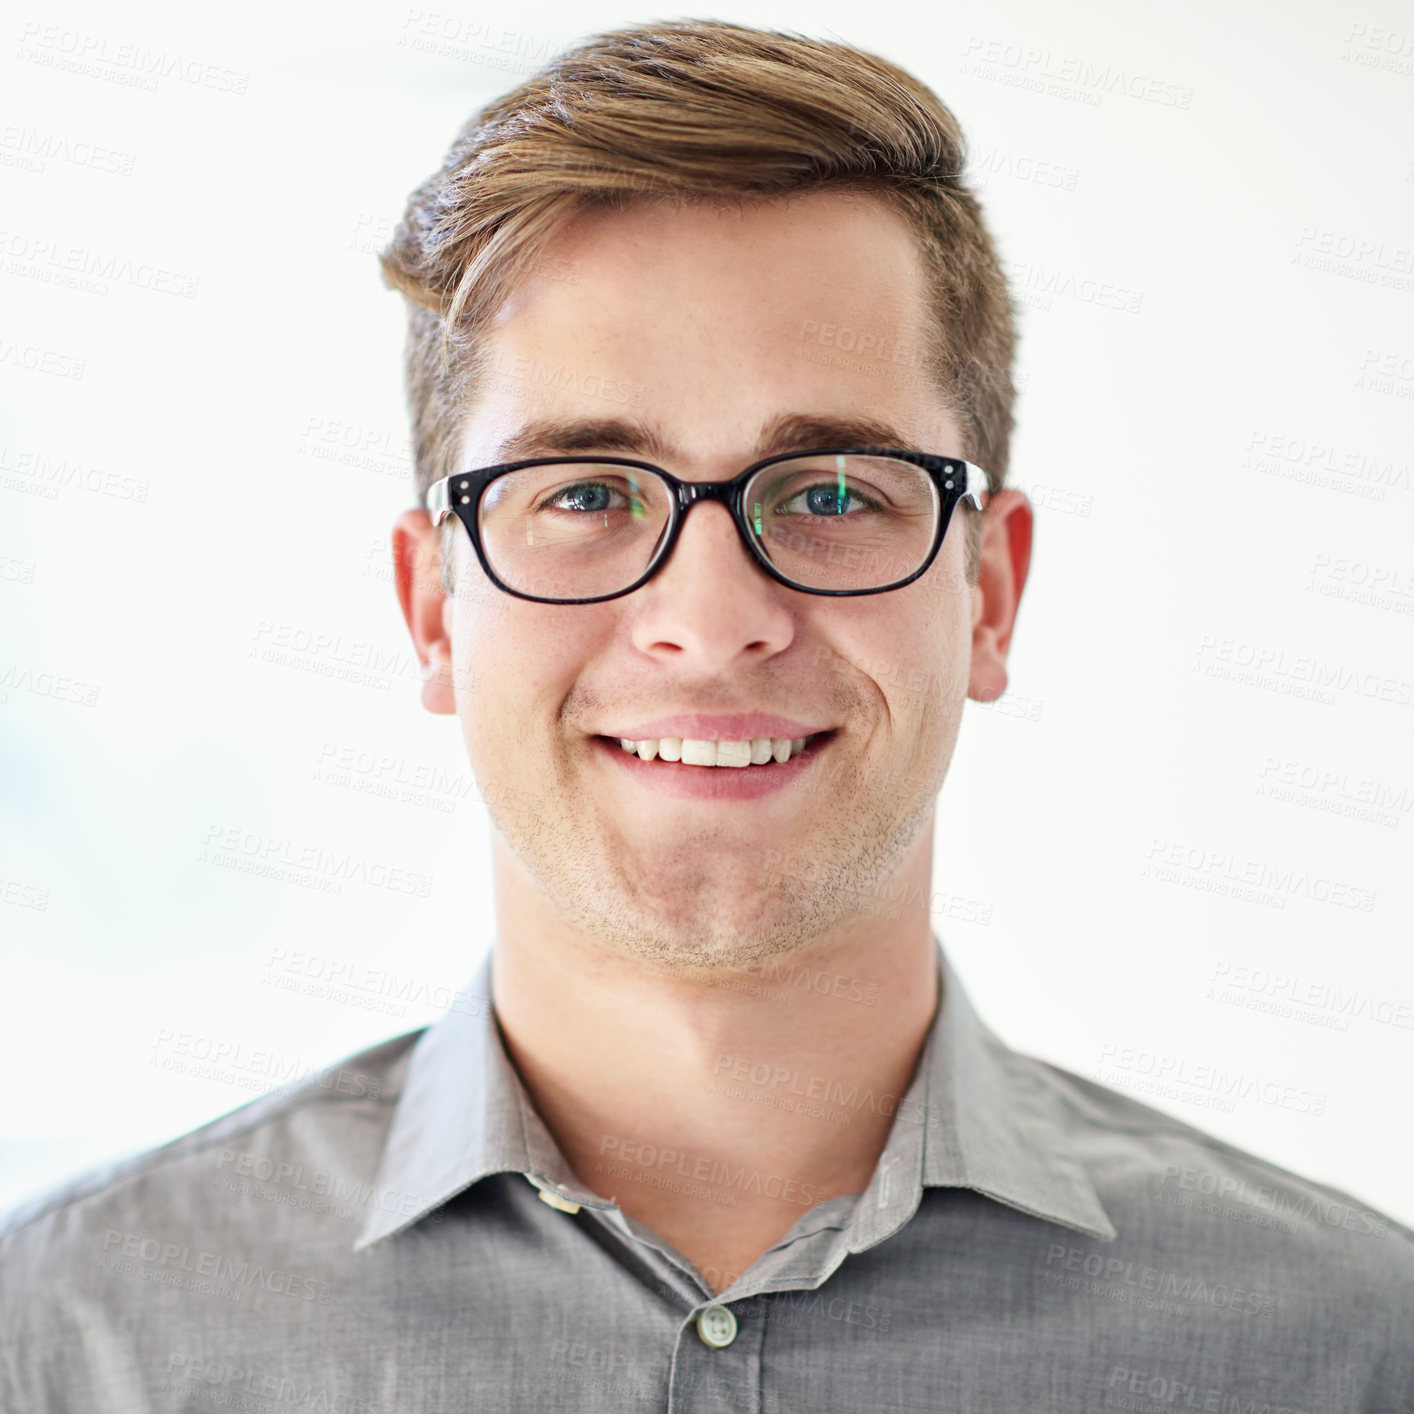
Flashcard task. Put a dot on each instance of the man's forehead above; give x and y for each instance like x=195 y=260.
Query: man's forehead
x=812 y=258
x=711 y=219
x=675 y=326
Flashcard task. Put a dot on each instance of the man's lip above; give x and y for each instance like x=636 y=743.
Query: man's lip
x=701 y=726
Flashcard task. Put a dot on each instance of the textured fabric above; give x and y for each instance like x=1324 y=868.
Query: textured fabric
x=375 y=1240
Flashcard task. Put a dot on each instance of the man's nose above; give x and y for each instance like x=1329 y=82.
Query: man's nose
x=711 y=605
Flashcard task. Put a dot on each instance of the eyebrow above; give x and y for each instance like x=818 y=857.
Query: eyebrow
x=787 y=432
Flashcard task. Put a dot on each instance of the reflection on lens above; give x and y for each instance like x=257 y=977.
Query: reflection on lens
x=587 y=528
x=848 y=521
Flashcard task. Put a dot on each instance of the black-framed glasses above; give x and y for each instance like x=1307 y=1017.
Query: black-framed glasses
x=579 y=530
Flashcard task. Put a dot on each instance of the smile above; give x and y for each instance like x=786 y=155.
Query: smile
x=674 y=766
x=695 y=751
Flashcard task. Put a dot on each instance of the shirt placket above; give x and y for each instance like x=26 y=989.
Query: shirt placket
x=716 y=1365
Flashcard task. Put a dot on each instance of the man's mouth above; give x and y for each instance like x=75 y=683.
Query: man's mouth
x=706 y=751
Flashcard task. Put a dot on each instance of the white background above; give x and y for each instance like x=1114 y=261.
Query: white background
x=1220 y=472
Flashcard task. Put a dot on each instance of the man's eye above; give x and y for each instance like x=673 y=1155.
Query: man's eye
x=826 y=499
x=591 y=496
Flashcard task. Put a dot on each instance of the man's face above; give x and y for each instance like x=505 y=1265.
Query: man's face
x=701 y=325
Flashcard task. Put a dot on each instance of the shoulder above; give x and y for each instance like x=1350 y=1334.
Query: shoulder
x=1266 y=1264
x=1177 y=1162
x=1203 y=1204
x=243 y=1221
x=334 y=1121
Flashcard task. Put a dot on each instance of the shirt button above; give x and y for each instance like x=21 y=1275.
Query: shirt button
x=555 y=1201
x=717 y=1327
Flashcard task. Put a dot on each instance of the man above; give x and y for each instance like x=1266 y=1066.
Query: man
x=716 y=1126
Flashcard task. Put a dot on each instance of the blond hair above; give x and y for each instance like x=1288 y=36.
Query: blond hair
x=690 y=110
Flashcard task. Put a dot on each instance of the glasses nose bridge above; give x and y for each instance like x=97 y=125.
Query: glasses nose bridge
x=691 y=493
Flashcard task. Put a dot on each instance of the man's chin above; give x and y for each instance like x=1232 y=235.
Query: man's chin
x=711 y=931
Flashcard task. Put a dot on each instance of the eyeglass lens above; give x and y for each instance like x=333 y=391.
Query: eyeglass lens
x=583 y=529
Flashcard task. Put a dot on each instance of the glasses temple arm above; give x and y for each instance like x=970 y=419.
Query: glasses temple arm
x=977 y=486
x=439 y=500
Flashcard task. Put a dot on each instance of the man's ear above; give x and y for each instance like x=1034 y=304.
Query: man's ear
x=417 y=573
x=1004 y=557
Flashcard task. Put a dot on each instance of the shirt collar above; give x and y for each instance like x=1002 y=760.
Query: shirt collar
x=988 y=1121
x=996 y=1124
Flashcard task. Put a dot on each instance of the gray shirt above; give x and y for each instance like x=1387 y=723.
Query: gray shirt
x=401 y=1233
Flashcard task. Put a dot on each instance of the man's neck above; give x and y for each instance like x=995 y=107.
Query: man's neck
x=717 y=1112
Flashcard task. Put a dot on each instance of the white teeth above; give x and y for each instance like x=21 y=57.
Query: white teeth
x=733 y=753
x=696 y=751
